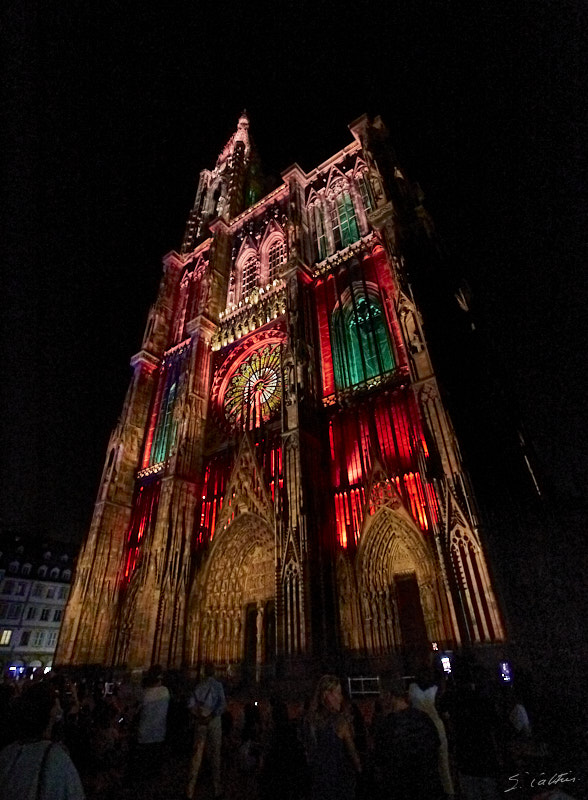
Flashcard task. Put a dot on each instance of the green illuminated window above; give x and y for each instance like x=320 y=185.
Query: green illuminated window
x=321 y=234
x=347 y=220
x=335 y=224
x=360 y=339
x=165 y=431
x=366 y=192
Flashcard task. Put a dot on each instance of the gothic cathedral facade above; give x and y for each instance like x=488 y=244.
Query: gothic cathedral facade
x=284 y=482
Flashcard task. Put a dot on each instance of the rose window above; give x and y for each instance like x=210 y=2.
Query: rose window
x=254 y=391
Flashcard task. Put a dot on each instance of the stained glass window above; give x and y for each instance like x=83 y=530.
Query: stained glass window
x=254 y=392
x=335 y=224
x=144 y=514
x=165 y=431
x=361 y=343
x=347 y=220
x=366 y=191
x=321 y=235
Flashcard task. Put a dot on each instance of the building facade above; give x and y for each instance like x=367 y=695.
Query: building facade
x=34 y=588
x=284 y=483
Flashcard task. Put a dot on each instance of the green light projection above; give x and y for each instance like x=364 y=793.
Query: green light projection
x=361 y=343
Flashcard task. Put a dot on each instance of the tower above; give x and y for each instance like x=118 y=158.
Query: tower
x=284 y=483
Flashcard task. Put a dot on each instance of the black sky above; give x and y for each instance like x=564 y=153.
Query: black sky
x=112 y=113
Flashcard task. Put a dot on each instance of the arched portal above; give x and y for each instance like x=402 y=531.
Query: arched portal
x=237 y=597
x=400 y=606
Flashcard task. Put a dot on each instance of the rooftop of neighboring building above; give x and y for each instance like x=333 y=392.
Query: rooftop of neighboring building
x=35 y=559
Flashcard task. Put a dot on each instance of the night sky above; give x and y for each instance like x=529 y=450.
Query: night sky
x=112 y=114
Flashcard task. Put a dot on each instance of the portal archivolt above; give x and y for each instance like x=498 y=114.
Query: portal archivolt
x=397 y=580
x=236 y=592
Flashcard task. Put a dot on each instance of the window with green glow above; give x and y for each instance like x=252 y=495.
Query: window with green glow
x=360 y=339
x=252 y=196
x=335 y=225
x=321 y=234
x=165 y=431
x=347 y=221
x=366 y=191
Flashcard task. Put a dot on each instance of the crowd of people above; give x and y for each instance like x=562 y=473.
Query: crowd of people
x=420 y=739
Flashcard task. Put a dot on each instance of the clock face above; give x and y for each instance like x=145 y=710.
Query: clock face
x=254 y=390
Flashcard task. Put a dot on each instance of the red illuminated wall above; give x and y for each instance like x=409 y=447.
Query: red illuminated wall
x=217 y=475
x=389 y=428
x=143 y=516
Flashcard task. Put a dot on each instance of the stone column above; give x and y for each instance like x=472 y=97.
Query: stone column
x=259 y=642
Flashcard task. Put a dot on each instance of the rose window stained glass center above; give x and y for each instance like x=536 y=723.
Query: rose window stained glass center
x=254 y=392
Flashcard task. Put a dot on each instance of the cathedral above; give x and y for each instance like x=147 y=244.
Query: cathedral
x=284 y=485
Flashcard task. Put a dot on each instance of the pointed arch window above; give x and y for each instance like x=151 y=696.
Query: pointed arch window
x=250 y=276
x=347 y=220
x=165 y=431
x=335 y=224
x=276 y=257
x=361 y=342
x=366 y=191
x=320 y=231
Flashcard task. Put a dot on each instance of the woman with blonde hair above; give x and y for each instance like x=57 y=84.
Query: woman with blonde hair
x=331 y=752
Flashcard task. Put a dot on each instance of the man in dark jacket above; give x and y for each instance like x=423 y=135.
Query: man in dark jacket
x=406 y=752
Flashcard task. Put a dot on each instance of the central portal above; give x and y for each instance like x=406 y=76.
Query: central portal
x=237 y=627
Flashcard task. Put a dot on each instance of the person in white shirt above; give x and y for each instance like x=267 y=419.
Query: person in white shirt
x=152 y=726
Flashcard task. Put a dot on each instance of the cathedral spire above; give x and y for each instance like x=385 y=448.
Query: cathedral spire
x=240 y=135
x=223 y=191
